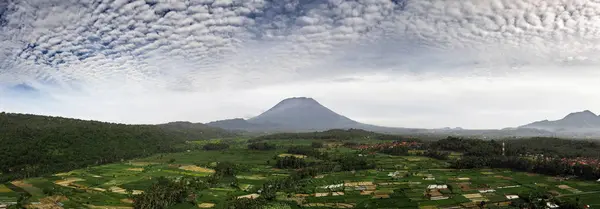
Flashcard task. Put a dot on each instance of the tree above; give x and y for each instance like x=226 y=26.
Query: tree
x=290 y=162
x=163 y=194
x=225 y=169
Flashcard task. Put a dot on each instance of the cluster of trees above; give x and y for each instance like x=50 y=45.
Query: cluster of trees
x=469 y=147
x=537 y=155
x=196 y=131
x=165 y=193
x=437 y=154
x=261 y=146
x=543 y=166
x=224 y=175
x=395 y=150
x=290 y=162
x=351 y=162
x=225 y=169
x=553 y=147
x=216 y=146
x=549 y=147
x=38 y=145
x=306 y=150
x=335 y=134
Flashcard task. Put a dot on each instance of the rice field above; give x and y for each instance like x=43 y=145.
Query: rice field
x=398 y=182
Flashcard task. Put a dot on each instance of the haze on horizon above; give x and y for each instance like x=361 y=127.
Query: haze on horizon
x=400 y=63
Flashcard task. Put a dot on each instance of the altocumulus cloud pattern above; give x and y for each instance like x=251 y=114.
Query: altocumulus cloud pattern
x=209 y=45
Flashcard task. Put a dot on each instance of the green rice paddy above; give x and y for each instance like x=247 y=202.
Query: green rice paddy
x=398 y=181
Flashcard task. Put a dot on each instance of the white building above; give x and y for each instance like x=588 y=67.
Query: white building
x=434 y=186
x=334 y=186
x=512 y=197
x=487 y=191
x=439 y=198
x=551 y=205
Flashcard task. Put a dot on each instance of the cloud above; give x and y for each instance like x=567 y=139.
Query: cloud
x=80 y=53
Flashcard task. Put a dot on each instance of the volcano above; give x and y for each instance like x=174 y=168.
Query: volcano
x=292 y=114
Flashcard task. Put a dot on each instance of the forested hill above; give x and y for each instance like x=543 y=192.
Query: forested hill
x=197 y=131
x=34 y=145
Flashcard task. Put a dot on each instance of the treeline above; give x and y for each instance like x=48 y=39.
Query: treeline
x=261 y=146
x=554 y=167
x=537 y=155
x=396 y=150
x=553 y=147
x=307 y=150
x=549 y=147
x=37 y=145
x=437 y=154
x=334 y=134
x=469 y=147
x=196 y=131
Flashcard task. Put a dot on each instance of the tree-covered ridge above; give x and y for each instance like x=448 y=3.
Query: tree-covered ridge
x=35 y=145
x=336 y=134
x=196 y=131
x=550 y=147
x=549 y=156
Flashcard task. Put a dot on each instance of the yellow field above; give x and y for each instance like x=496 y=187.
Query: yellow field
x=130 y=201
x=206 y=205
x=291 y=155
x=66 y=182
x=331 y=205
x=472 y=196
x=49 y=202
x=196 y=169
x=4 y=189
x=136 y=169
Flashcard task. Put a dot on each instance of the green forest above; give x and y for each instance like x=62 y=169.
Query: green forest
x=36 y=145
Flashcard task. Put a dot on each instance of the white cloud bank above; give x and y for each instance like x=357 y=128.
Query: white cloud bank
x=425 y=63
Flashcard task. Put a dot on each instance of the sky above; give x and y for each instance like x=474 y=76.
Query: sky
x=403 y=63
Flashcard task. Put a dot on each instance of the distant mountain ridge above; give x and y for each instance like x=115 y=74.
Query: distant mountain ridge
x=303 y=114
x=584 y=120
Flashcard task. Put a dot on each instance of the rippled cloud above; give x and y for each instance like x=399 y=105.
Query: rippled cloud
x=129 y=51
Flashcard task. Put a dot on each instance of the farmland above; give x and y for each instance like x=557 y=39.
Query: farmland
x=396 y=181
